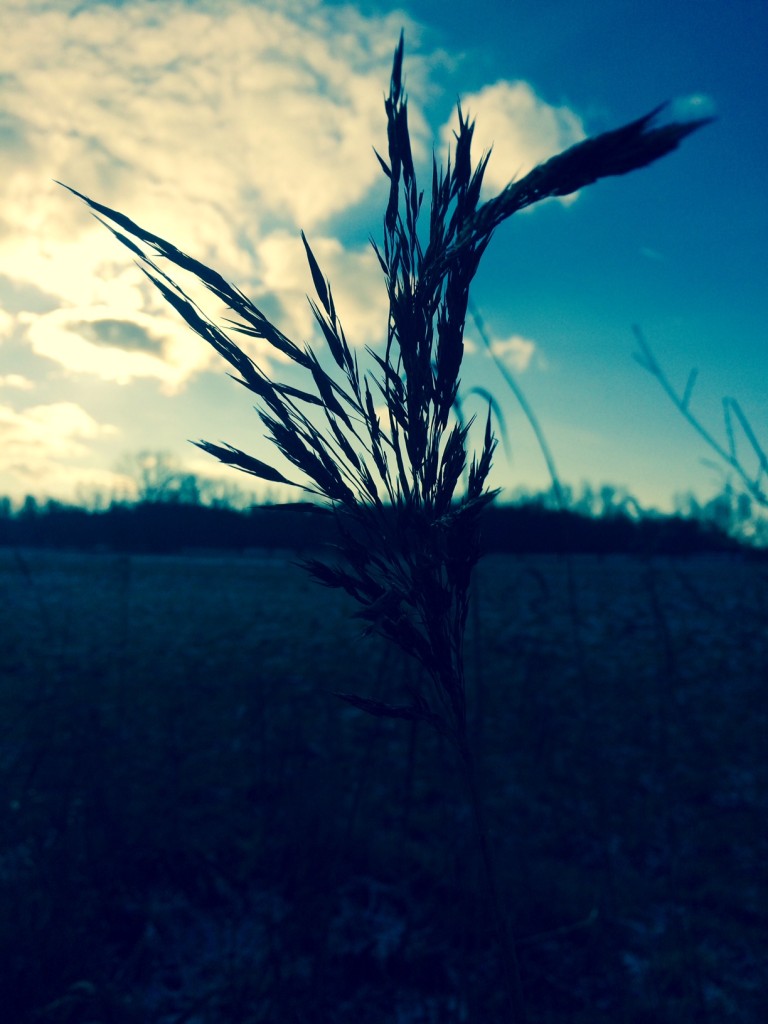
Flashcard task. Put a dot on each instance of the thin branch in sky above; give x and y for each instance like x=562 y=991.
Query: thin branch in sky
x=731 y=410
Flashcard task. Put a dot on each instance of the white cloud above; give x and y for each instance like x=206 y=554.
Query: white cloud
x=79 y=340
x=59 y=427
x=43 y=445
x=15 y=380
x=216 y=125
x=6 y=323
x=523 y=129
x=224 y=126
x=356 y=279
x=515 y=351
x=203 y=105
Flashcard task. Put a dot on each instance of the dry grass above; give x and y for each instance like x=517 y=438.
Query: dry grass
x=191 y=823
x=738 y=430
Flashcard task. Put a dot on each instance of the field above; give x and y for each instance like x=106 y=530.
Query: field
x=194 y=829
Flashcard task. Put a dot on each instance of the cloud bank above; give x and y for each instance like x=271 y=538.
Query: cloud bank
x=519 y=126
x=213 y=124
x=46 y=441
x=224 y=126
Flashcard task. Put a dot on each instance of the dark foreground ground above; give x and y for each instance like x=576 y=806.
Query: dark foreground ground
x=193 y=829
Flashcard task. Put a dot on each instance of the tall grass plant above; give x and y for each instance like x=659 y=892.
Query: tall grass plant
x=404 y=489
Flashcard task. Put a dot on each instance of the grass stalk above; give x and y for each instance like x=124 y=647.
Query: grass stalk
x=407 y=510
x=510 y=968
x=753 y=484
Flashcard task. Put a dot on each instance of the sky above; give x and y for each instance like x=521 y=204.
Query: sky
x=228 y=126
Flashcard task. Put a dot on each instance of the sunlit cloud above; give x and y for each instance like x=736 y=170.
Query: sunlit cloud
x=6 y=324
x=50 y=443
x=516 y=352
x=59 y=428
x=215 y=125
x=206 y=104
x=16 y=381
x=93 y=341
x=356 y=282
x=523 y=129
x=225 y=128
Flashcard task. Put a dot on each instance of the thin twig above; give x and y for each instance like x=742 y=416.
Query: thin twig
x=649 y=362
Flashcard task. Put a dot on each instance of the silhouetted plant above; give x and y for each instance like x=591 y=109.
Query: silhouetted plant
x=408 y=533
x=733 y=417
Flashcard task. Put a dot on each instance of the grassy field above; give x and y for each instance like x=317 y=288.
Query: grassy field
x=195 y=830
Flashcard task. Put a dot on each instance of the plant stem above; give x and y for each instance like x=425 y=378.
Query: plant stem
x=505 y=938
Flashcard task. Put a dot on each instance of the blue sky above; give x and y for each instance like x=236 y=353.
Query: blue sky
x=228 y=126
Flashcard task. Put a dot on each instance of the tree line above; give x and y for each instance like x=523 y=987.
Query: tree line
x=606 y=522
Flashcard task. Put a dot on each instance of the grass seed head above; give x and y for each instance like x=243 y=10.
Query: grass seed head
x=408 y=534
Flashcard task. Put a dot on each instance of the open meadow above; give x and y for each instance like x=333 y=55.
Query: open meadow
x=195 y=829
